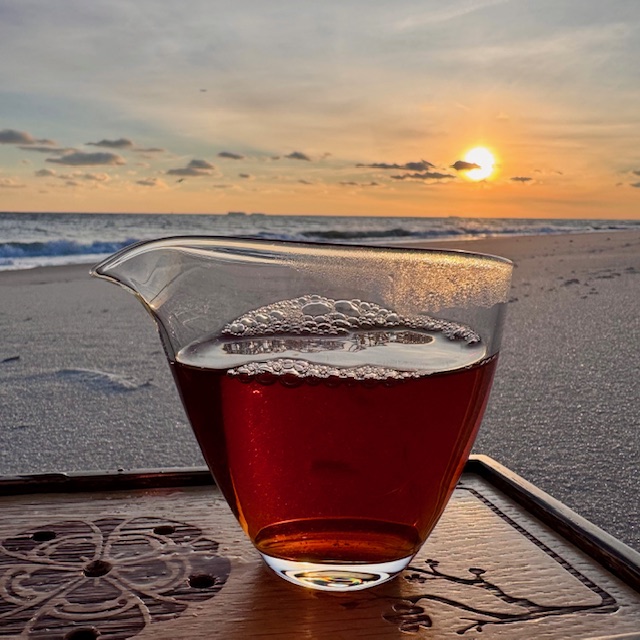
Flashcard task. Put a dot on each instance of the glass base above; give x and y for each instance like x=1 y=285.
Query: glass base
x=335 y=577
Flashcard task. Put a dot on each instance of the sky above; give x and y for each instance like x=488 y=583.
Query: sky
x=347 y=107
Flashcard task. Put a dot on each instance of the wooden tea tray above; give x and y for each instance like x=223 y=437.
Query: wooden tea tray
x=159 y=555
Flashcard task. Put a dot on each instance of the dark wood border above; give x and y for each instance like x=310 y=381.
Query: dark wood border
x=104 y=481
x=613 y=555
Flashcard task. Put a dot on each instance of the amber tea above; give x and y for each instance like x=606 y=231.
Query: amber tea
x=341 y=443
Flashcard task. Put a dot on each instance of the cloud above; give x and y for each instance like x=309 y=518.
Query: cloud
x=351 y=183
x=75 y=178
x=120 y=143
x=548 y=172
x=10 y=183
x=427 y=175
x=45 y=173
x=304 y=182
x=12 y=136
x=419 y=19
x=230 y=155
x=152 y=182
x=422 y=165
x=96 y=177
x=44 y=149
x=463 y=165
x=298 y=155
x=631 y=174
x=80 y=158
x=246 y=176
x=194 y=168
x=522 y=179
x=149 y=150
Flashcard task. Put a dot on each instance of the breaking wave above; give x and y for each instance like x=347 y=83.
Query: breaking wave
x=32 y=240
x=59 y=248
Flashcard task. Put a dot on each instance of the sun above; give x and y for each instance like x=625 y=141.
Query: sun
x=485 y=160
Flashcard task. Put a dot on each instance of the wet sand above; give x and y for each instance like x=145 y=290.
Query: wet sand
x=85 y=385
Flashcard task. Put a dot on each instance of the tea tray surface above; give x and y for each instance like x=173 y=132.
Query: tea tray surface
x=159 y=556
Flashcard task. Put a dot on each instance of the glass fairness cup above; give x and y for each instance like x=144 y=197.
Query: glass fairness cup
x=335 y=391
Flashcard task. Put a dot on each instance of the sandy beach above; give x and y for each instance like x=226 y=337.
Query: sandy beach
x=85 y=385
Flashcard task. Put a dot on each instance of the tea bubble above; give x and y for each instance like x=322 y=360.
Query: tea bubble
x=317 y=315
x=316 y=308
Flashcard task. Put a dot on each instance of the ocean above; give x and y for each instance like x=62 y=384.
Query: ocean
x=30 y=240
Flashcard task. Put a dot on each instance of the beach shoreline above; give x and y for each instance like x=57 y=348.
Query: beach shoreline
x=85 y=384
x=516 y=245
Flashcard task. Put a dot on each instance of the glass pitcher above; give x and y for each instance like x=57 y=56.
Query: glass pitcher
x=335 y=391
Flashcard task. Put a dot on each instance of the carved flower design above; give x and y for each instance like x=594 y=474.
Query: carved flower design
x=78 y=580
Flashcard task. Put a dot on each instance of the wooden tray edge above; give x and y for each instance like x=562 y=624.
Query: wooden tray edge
x=615 y=556
x=119 y=480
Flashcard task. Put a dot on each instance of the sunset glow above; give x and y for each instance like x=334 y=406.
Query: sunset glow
x=352 y=108
x=485 y=160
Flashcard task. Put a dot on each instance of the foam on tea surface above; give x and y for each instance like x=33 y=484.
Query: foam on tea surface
x=318 y=315
x=314 y=336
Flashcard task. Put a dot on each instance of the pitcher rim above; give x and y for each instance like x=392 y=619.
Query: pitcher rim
x=178 y=239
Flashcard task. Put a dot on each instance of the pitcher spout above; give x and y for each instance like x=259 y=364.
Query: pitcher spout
x=143 y=269
x=181 y=281
x=136 y=269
